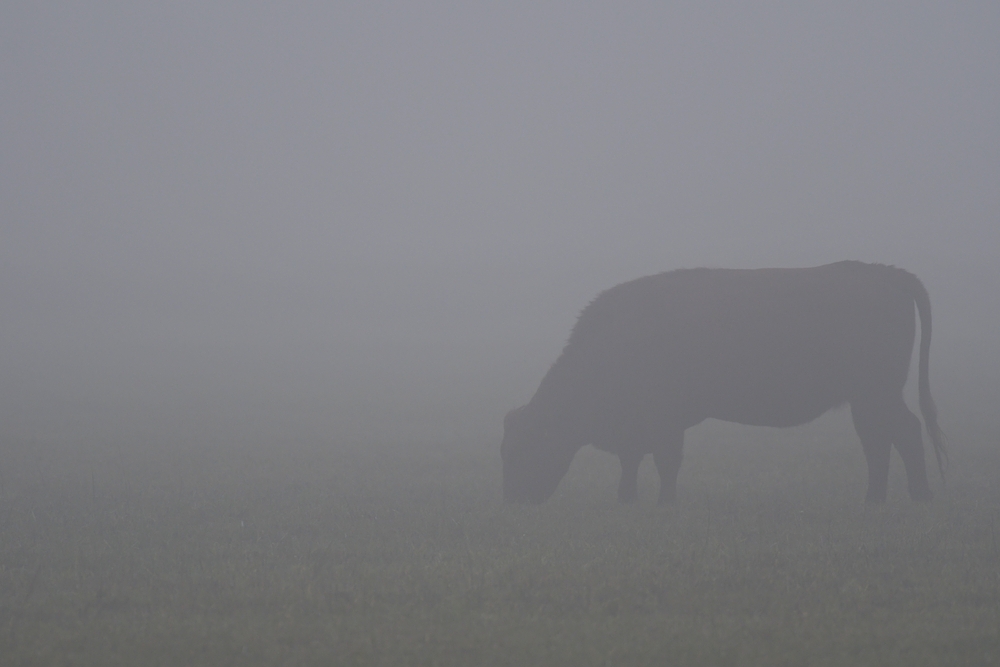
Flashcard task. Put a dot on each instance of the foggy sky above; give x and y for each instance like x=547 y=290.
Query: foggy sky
x=362 y=222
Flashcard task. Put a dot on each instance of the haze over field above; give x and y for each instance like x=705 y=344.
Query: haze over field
x=364 y=223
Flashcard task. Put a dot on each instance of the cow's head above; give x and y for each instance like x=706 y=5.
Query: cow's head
x=535 y=457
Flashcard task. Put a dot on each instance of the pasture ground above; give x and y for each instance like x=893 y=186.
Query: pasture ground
x=298 y=554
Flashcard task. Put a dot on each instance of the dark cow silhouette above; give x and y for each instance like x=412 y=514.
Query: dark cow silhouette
x=769 y=347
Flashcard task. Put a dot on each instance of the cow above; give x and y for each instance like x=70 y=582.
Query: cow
x=654 y=356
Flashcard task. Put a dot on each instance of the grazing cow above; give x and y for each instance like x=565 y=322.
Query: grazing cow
x=768 y=347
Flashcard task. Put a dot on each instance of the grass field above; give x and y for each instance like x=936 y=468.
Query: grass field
x=300 y=554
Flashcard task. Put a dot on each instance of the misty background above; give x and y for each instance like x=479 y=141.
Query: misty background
x=376 y=223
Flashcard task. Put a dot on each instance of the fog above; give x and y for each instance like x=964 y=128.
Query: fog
x=363 y=223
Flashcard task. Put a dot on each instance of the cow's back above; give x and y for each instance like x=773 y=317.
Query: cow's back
x=764 y=346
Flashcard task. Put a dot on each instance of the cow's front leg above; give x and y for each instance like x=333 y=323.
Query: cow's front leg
x=628 y=486
x=668 y=462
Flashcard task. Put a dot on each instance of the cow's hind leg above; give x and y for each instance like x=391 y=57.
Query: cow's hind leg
x=873 y=430
x=629 y=483
x=667 y=456
x=907 y=436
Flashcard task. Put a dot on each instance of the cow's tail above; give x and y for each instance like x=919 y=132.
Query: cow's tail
x=927 y=407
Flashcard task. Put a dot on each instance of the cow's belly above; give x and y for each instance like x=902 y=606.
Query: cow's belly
x=777 y=405
x=778 y=417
